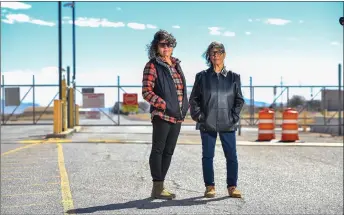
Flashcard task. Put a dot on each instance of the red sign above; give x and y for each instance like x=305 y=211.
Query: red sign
x=130 y=99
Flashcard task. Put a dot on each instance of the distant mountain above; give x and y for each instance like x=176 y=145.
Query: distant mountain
x=257 y=103
x=20 y=109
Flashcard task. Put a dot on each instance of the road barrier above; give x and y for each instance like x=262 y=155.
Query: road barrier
x=290 y=128
x=266 y=125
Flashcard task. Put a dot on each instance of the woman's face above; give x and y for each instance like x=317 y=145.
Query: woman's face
x=165 y=48
x=217 y=56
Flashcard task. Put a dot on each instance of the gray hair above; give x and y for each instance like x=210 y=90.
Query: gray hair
x=213 y=45
x=159 y=36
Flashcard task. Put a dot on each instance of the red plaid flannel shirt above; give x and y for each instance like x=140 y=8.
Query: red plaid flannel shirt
x=148 y=83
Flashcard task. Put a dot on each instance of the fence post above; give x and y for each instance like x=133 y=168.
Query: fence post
x=118 y=99
x=3 y=99
x=340 y=99
x=70 y=107
x=76 y=114
x=251 y=101
x=64 y=105
x=33 y=100
x=69 y=124
x=287 y=97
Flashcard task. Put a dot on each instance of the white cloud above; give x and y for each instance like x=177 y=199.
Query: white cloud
x=151 y=26
x=15 y=5
x=136 y=26
x=229 y=34
x=95 y=22
x=275 y=21
x=23 y=18
x=248 y=33
x=118 y=8
x=41 y=22
x=301 y=21
x=215 y=30
x=250 y=20
x=175 y=26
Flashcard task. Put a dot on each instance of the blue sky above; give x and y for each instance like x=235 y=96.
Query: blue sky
x=300 y=41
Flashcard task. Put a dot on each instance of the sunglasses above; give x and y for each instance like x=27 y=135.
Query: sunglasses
x=169 y=45
x=214 y=53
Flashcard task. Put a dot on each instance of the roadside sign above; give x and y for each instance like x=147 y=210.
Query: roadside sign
x=12 y=96
x=92 y=114
x=130 y=102
x=93 y=100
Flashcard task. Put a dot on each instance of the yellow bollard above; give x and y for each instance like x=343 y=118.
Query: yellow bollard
x=76 y=115
x=71 y=107
x=57 y=116
x=64 y=106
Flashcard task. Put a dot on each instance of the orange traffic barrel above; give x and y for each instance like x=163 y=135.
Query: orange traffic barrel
x=290 y=128
x=266 y=125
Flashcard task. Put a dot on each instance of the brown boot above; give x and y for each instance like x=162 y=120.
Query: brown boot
x=159 y=192
x=209 y=192
x=233 y=192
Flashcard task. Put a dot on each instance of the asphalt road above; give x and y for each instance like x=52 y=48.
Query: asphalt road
x=115 y=179
x=106 y=128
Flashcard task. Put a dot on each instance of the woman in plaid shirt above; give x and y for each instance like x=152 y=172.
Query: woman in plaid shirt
x=164 y=87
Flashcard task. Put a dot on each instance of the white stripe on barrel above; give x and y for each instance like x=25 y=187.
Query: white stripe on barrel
x=264 y=121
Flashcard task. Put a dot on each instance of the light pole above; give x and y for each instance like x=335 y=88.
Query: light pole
x=72 y=5
x=60 y=49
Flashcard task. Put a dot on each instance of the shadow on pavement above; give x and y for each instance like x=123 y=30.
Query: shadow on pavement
x=146 y=203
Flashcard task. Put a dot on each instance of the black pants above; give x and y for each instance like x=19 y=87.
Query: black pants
x=165 y=136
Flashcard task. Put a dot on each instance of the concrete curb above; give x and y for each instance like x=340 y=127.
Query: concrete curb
x=64 y=134
x=239 y=143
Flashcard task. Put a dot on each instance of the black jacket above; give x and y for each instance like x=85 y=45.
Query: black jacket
x=166 y=89
x=216 y=100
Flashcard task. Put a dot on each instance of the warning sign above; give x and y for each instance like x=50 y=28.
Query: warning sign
x=130 y=102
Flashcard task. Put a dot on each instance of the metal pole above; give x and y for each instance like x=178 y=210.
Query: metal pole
x=74 y=97
x=251 y=101
x=68 y=76
x=3 y=99
x=340 y=99
x=118 y=99
x=33 y=100
x=287 y=97
x=73 y=14
x=60 y=49
x=68 y=95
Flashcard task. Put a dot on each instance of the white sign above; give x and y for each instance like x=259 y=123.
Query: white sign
x=92 y=114
x=93 y=100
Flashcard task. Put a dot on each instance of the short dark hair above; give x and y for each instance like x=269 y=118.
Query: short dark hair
x=158 y=36
x=211 y=46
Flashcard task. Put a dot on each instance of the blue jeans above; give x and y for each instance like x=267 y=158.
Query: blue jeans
x=228 y=140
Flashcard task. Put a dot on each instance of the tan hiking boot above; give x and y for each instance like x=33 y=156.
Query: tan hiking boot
x=159 y=192
x=209 y=192
x=233 y=192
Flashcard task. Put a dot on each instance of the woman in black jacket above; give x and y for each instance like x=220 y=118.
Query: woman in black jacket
x=215 y=102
